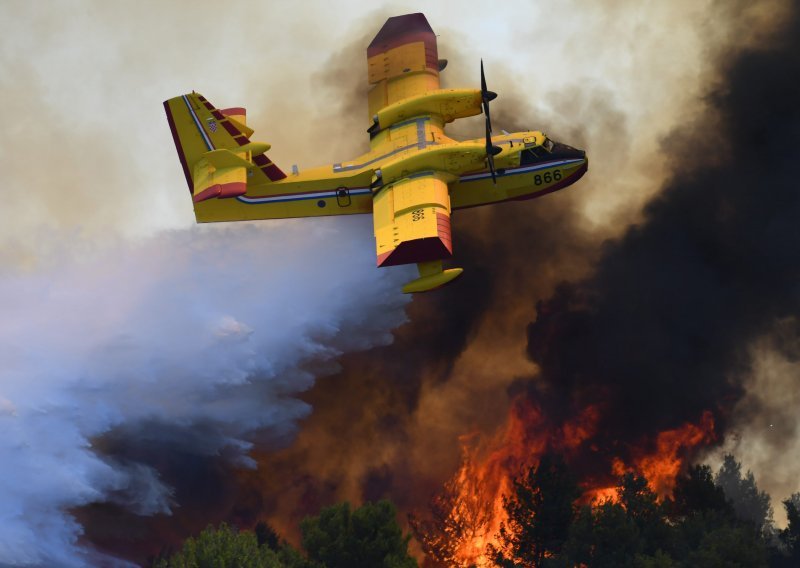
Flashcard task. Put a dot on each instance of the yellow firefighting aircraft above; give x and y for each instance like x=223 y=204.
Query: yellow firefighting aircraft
x=411 y=179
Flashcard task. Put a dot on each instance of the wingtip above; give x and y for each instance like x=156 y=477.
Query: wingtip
x=398 y=28
x=433 y=281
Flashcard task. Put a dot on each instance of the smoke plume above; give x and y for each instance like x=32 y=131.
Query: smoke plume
x=130 y=357
x=191 y=342
x=661 y=331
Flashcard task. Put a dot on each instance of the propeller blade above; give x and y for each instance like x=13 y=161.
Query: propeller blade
x=486 y=96
x=491 y=149
x=491 y=152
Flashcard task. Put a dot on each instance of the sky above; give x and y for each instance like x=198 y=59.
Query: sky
x=79 y=80
x=108 y=283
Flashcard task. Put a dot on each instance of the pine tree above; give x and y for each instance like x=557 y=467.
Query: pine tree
x=791 y=534
x=459 y=515
x=368 y=536
x=748 y=502
x=226 y=547
x=696 y=492
x=540 y=512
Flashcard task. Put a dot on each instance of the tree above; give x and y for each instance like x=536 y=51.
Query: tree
x=630 y=533
x=226 y=547
x=603 y=536
x=368 y=536
x=266 y=536
x=707 y=530
x=440 y=534
x=540 y=512
x=637 y=497
x=748 y=502
x=459 y=516
x=791 y=534
x=648 y=516
x=696 y=492
x=728 y=545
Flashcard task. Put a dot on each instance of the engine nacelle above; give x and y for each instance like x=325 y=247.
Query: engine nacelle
x=453 y=159
x=449 y=104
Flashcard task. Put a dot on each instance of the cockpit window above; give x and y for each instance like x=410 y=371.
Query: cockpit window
x=532 y=155
x=548 y=144
x=538 y=151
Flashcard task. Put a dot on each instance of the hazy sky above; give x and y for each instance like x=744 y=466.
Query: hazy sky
x=84 y=142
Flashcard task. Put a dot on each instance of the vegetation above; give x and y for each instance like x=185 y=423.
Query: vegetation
x=540 y=512
x=338 y=537
x=712 y=519
x=368 y=536
x=226 y=547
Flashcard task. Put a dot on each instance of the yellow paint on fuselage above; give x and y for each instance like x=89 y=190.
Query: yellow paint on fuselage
x=302 y=194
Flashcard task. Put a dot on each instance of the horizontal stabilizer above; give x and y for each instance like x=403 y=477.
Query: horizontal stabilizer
x=219 y=174
x=237 y=116
x=226 y=159
x=255 y=148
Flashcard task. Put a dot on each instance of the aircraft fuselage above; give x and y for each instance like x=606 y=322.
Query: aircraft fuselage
x=525 y=170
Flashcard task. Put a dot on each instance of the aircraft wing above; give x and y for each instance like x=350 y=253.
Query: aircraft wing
x=403 y=61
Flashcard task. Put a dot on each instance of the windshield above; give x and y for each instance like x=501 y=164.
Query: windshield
x=548 y=144
x=533 y=155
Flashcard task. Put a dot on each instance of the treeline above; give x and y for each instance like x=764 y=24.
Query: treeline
x=338 y=537
x=713 y=519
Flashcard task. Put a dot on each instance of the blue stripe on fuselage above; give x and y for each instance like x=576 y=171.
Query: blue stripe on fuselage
x=365 y=190
x=206 y=139
x=300 y=196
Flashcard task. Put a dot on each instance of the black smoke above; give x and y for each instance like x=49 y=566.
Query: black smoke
x=661 y=331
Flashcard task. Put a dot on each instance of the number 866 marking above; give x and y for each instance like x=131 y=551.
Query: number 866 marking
x=539 y=179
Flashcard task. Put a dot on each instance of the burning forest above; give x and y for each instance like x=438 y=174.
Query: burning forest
x=604 y=340
x=637 y=361
x=636 y=350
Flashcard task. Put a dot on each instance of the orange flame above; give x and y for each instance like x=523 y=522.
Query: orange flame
x=661 y=468
x=490 y=464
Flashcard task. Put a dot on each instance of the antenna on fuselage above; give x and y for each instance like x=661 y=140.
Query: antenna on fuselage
x=491 y=150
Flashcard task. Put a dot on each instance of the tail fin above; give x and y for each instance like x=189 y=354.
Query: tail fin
x=215 y=150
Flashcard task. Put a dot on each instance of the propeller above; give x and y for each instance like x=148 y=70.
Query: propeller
x=491 y=149
x=486 y=96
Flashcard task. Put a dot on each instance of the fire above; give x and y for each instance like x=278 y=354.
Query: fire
x=477 y=508
x=470 y=511
x=662 y=467
x=599 y=495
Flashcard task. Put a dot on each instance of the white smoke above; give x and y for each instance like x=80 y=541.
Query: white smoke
x=764 y=434
x=208 y=332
